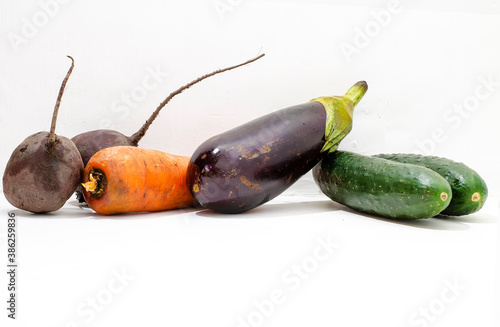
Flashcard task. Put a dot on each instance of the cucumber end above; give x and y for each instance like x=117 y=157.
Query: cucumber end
x=476 y=197
x=444 y=196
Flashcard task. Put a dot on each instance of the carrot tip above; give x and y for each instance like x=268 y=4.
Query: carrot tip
x=91 y=185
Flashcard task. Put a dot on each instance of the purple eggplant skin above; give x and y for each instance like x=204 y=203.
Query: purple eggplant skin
x=271 y=153
x=249 y=165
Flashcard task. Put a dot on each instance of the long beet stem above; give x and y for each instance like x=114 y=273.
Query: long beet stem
x=52 y=134
x=142 y=131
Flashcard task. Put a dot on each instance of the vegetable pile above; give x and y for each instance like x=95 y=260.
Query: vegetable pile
x=237 y=170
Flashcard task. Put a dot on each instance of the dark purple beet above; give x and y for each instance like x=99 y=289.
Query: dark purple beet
x=101 y=139
x=249 y=165
x=44 y=170
x=41 y=178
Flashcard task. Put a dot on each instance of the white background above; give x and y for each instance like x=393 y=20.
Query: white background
x=434 y=87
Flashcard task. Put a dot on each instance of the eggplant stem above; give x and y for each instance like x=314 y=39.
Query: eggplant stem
x=339 y=112
x=52 y=133
x=136 y=137
x=356 y=92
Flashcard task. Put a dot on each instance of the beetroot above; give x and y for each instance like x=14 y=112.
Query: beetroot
x=45 y=169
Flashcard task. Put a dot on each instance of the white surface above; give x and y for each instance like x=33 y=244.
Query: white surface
x=195 y=267
x=432 y=71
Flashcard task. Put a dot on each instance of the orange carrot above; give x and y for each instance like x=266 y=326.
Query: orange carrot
x=124 y=179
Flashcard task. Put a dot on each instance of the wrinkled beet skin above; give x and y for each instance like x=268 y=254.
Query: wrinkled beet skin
x=37 y=181
x=91 y=142
x=251 y=164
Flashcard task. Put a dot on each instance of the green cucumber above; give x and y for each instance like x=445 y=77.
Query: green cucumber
x=382 y=187
x=468 y=188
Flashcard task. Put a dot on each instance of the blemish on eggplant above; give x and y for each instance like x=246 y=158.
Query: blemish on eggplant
x=250 y=185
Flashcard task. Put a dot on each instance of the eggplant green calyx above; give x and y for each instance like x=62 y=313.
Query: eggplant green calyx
x=339 y=111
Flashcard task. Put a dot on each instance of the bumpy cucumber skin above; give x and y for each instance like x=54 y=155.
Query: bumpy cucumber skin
x=382 y=187
x=468 y=188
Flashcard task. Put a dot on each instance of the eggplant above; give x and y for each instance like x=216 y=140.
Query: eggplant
x=249 y=165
